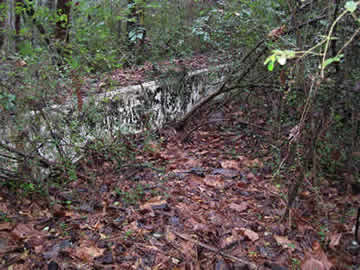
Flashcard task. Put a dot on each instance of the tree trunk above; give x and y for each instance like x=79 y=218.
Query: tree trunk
x=131 y=22
x=50 y=4
x=17 y=24
x=2 y=22
x=136 y=26
x=63 y=8
x=30 y=12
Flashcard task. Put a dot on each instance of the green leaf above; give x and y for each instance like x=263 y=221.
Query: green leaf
x=271 y=58
x=331 y=60
x=270 y=66
x=351 y=6
x=270 y=62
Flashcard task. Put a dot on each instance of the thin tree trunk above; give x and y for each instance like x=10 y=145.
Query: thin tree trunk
x=63 y=8
x=2 y=22
x=131 y=22
x=62 y=25
x=30 y=12
x=50 y=4
x=17 y=24
x=136 y=25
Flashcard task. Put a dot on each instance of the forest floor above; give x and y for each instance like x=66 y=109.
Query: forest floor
x=152 y=201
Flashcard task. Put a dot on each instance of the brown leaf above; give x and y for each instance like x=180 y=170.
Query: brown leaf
x=253 y=236
x=170 y=236
x=87 y=251
x=284 y=242
x=6 y=226
x=251 y=176
x=196 y=226
x=276 y=33
x=230 y=240
x=3 y=206
x=215 y=181
x=253 y=163
x=239 y=207
x=335 y=240
x=24 y=231
x=230 y=164
x=311 y=263
x=192 y=163
x=320 y=255
x=189 y=249
x=21 y=63
x=154 y=204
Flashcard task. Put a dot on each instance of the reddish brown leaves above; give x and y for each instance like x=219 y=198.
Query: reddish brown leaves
x=177 y=206
x=317 y=259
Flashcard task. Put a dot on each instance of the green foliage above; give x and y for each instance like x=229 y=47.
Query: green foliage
x=319 y=91
x=7 y=101
x=94 y=46
x=279 y=56
x=351 y=6
x=99 y=43
x=132 y=197
x=4 y=217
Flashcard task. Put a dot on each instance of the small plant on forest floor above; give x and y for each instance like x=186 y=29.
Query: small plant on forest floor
x=131 y=197
x=64 y=228
x=4 y=217
x=295 y=263
x=136 y=195
x=322 y=233
x=68 y=203
x=128 y=234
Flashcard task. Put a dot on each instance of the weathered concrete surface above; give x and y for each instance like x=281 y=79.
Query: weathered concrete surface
x=64 y=131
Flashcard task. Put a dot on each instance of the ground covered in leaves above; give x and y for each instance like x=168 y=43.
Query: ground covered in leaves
x=206 y=198
x=209 y=203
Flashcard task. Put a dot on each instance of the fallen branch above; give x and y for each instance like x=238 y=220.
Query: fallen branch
x=223 y=88
x=42 y=161
x=180 y=124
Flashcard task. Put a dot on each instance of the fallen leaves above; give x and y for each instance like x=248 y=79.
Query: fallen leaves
x=87 y=251
x=276 y=33
x=316 y=260
x=284 y=242
x=132 y=216
x=231 y=164
x=253 y=236
x=25 y=231
x=154 y=203
x=215 y=181
x=239 y=207
x=335 y=240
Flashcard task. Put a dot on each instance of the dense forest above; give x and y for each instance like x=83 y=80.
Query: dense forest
x=179 y=134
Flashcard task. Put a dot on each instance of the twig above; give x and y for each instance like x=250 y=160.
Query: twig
x=43 y=162
x=251 y=265
x=224 y=88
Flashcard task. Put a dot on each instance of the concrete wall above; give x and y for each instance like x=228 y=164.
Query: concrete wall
x=124 y=110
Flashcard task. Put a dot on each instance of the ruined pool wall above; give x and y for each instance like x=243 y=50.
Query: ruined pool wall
x=59 y=132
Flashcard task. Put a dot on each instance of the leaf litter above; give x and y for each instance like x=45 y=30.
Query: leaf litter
x=211 y=204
